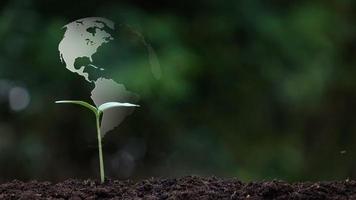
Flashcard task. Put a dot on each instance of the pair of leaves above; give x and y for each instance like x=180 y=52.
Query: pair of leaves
x=101 y=108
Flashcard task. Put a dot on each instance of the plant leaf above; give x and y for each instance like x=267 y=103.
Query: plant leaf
x=82 y=103
x=109 y=105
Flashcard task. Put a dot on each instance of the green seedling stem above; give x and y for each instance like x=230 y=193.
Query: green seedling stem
x=98 y=111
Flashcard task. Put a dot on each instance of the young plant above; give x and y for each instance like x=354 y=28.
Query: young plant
x=98 y=111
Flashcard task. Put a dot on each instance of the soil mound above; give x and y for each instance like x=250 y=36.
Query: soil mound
x=186 y=188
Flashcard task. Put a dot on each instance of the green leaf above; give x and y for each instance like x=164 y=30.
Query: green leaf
x=82 y=103
x=109 y=105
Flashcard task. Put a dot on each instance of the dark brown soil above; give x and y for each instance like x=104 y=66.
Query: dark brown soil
x=183 y=188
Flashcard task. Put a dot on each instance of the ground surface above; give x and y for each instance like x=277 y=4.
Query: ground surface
x=183 y=188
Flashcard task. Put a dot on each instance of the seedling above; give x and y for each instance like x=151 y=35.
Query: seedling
x=98 y=111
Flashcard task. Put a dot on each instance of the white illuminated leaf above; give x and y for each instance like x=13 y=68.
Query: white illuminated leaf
x=82 y=103
x=109 y=105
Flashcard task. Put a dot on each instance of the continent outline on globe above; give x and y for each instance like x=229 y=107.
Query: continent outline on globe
x=82 y=38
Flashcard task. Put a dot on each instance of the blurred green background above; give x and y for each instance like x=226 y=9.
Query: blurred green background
x=250 y=89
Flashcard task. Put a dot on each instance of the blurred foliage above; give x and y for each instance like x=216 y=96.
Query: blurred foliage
x=250 y=89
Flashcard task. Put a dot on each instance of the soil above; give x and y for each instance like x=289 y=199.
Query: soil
x=186 y=188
